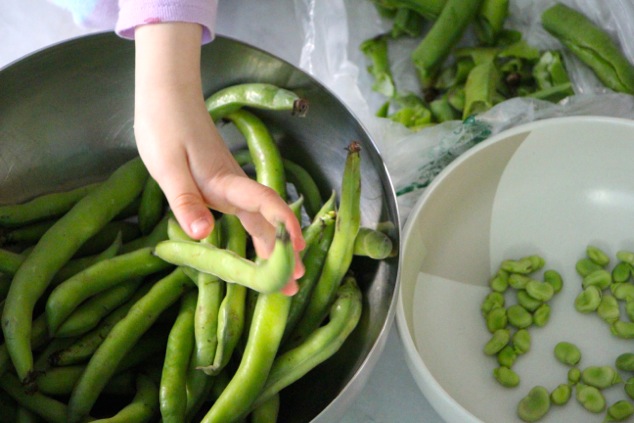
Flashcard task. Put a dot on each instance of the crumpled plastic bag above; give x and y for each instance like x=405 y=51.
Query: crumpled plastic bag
x=334 y=29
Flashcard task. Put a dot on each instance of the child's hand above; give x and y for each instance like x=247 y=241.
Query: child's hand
x=184 y=152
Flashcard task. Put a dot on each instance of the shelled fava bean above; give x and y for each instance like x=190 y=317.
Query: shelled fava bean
x=605 y=290
x=587 y=384
x=509 y=324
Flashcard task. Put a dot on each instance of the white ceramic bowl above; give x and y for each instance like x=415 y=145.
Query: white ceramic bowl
x=552 y=188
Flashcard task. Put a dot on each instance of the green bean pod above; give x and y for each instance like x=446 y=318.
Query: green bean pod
x=267 y=276
x=143 y=406
x=372 y=243
x=39 y=337
x=231 y=314
x=270 y=172
x=256 y=95
x=322 y=344
x=268 y=319
x=55 y=248
x=180 y=345
x=67 y=296
x=10 y=261
x=151 y=207
x=48 y=408
x=43 y=207
x=210 y=295
x=83 y=348
x=89 y=313
x=592 y=45
x=305 y=185
x=296 y=175
x=444 y=34
x=77 y=265
x=265 y=333
x=267 y=411
x=324 y=217
x=314 y=260
x=341 y=251
x=158 y=234
x=121 y=339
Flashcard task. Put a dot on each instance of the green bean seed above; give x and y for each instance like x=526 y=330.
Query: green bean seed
x=554 y=278
x=561 y=394
x=626 y=256
x=496 y=319
x=518 y=316
x=574 y=375
x=522 y=266
x=597 y=255
x=600 y=278
x=609 y=309
x=518 y=280
x=622 y=329
x=590 y=397
x=629 y=387
x=498 y=340
x=619 y=411
x=521 y=341
x=600 y=376
x=499 y=282
x=528 y=302
x=585 y=266
x=507 y=356
x=625 y=362
x=506 y=377
x=621 y=272
x=588 y=300
x=622 y=291
x=534 y=405
x=491 y=301
x=540 y=290
x=541 y=316
x=567 y=353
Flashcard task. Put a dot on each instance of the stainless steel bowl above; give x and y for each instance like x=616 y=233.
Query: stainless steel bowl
x=66 y=118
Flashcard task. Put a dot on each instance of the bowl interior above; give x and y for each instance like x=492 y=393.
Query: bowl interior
x=66 y=118
x=551 y=188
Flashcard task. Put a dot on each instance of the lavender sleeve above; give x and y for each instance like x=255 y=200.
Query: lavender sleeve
x=128 y=14
x=133 y=13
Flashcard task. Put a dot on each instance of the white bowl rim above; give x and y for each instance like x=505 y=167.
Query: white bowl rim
x=438 y=397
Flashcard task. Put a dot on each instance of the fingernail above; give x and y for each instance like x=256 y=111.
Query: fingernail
x=200 y=227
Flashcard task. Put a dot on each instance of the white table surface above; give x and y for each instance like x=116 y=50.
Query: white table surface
x=390 y=395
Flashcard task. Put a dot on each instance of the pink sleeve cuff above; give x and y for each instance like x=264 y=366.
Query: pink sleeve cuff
x=133 y=13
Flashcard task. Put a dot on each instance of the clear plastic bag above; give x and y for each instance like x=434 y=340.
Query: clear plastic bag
x=334 y=29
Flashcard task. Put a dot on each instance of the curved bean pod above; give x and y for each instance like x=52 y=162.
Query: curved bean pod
x=288 y=367
x=121 y=339
x=81 y=350
x=341 y=251
x=180 y=345
x=50 y=409
x=313 y=263
x=231 y=313
x=267 y=411
x=266 y=276
x=89 y=313
x=43 y=207
x=151 y=207
x=55 y=248
x=268 y=319
x=256 y=95
x=143 y=406
x=67 y=296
